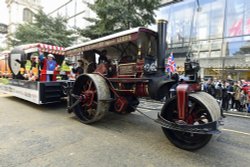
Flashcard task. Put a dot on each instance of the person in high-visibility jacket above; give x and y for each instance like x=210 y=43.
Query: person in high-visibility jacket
x=31 y=68
x=28 y=66
x=65 y=69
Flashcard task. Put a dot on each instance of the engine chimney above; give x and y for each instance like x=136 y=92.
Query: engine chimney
x=162 y=44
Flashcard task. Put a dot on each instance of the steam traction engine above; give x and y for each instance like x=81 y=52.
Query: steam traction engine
x=131 y=65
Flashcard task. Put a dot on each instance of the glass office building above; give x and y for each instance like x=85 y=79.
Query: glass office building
x=215 y=32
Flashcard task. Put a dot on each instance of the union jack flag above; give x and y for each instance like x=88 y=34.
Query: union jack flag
x=170 y=64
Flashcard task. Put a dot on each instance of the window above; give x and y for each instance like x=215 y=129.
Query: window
x=195 y=55
x=204 y=54
x=27 y=15
x=204 y=45
x=195 y=47
x=238 y=48
x=217 y=18
x=215 y=53
x=208 y=20
x=163 y=13
x=234 y=18
x=247 y=17
x=238 y=18
x=180 y=21
x=233 y=48
x=216 y=44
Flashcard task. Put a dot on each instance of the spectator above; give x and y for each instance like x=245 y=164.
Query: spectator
x=219 y=95
x=237 y=95
x=248 y=100
x=218 y=92
x=230 y=91
x=225 y=96
x=209 y=87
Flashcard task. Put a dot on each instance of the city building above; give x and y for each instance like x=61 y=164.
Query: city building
x=75 y=11
x=214 y=32
x=21 y=11
x=15 y=12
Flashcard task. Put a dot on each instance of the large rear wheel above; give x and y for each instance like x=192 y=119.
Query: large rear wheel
x=95 y=98
x=202 y=108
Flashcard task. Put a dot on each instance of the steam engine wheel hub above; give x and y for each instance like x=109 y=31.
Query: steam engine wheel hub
x=88 y=97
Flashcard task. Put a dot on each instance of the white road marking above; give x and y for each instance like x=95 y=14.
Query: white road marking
x=5 y=95
x=148 y=110
x=144 y=110
x=235 y=131
x=223 y=129
x=237 y=115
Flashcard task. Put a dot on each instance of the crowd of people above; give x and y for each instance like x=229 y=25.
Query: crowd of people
x=231 y=95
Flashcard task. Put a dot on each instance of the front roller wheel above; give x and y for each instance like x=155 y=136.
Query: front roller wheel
x=95 y=101
x=202 y=108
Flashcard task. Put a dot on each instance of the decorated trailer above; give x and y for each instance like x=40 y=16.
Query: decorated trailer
x=4 y=66
x=121 y=68
x=28 y=64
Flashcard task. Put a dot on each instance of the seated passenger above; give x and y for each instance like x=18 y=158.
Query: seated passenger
x=31 y=68
x=65 y=69
x=41 y=60
x=103 y=57
x=79 y=69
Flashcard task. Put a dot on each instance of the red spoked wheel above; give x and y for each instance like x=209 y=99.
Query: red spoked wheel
x=202 y=108
x=94 y=98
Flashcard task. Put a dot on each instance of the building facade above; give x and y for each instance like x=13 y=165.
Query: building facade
x=21 y=11
x=214 y=32
x=75 y=11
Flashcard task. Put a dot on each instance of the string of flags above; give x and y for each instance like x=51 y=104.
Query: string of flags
x=170 y=65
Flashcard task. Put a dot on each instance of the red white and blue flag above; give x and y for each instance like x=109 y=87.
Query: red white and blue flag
x=170 y=64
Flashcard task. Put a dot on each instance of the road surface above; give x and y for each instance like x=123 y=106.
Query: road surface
x=32 y=135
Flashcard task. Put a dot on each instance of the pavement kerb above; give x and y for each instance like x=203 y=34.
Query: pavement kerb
x=238 y=114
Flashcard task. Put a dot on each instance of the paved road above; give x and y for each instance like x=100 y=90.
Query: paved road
x=32 y=135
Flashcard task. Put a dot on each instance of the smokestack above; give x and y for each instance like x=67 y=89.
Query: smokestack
x=162 y=44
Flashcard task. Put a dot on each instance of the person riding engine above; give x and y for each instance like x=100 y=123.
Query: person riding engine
x=65 y=69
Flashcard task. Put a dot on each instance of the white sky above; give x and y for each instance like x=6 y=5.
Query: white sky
x=3 y=12
x=49 y=5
